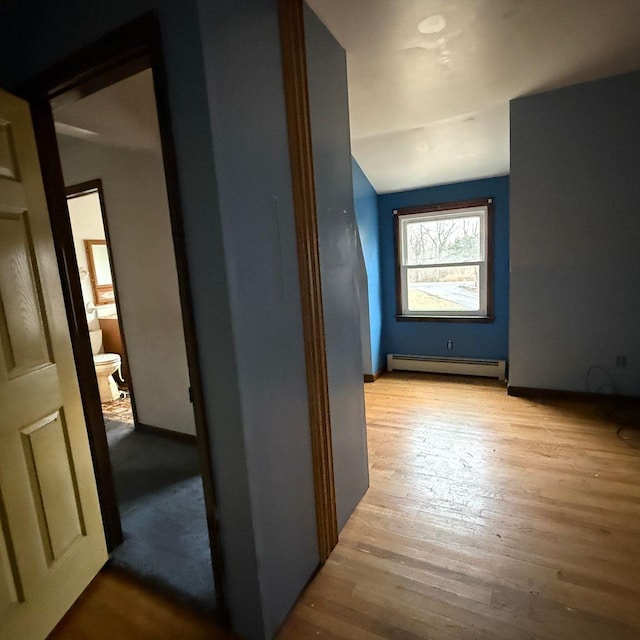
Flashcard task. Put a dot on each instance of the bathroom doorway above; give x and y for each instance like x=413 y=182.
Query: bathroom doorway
x=87 y=216
x=129 y=317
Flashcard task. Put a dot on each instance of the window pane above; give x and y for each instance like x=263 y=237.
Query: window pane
x=444 y=289
x=448 y=240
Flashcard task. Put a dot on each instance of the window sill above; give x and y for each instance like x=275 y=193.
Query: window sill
x=416 y=318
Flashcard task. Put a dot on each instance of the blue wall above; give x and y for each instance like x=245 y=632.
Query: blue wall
x=365 y=201
x=329 y=120
x=248 y=122
x=575 y=262
x=470 y=339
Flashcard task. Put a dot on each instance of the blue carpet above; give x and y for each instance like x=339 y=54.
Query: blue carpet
x=159 y=490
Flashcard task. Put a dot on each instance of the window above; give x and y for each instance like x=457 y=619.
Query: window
x=443 y=261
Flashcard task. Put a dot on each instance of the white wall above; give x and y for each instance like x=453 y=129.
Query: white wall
x=575 y=229
x=144 y=267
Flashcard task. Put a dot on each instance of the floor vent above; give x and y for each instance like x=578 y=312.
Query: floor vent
x=460 y=366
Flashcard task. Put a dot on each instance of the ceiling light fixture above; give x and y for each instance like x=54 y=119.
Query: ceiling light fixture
x=432 y=24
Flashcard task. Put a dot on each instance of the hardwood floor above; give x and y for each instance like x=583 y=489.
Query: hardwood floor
x=488 y=517
x=117 y=607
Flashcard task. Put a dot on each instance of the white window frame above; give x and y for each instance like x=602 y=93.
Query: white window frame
x=483 y=210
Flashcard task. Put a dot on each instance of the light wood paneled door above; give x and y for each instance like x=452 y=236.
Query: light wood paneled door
x=51 y=536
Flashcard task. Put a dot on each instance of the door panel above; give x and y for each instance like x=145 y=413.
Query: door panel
x=10 y=589
x=21 y=312
x=53 y=486
x=8 y=166
x=51 y=536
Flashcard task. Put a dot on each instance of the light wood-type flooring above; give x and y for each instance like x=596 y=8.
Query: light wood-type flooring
x=488 y=518
x=116 y=606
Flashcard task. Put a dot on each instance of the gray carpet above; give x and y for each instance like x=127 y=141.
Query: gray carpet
x=161 y=501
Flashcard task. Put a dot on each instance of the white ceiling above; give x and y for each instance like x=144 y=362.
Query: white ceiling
x=433 y=108
x=123 y=115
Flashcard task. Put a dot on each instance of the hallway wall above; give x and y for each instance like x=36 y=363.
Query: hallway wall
x=255 y=207
x=341 y=270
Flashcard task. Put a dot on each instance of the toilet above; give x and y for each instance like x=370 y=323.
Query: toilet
x=106 y=364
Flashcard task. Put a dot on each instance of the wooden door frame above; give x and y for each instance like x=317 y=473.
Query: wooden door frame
x=129 y=49
x=294 y=71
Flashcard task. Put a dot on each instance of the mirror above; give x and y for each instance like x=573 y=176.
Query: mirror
x=100 y=271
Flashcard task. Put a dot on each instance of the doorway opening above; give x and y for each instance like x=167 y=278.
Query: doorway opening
x=110 y=147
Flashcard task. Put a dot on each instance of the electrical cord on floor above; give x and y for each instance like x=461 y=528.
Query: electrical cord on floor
x=624 y=427
x=624 y=422
x=610 y=384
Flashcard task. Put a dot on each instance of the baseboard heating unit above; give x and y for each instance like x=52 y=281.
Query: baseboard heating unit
x=460 y=366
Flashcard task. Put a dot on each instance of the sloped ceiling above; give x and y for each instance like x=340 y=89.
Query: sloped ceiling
x=122 y=115
x=430 y=80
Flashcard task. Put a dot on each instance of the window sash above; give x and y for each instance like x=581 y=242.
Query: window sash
x=482 y=278
x=407 y=219
x=482 y=212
